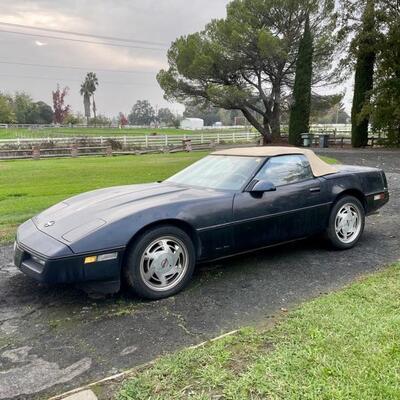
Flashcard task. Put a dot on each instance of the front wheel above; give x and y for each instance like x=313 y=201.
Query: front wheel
x=160 y=263
x=346 y=223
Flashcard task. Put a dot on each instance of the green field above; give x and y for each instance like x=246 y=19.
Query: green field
x=28 y=187
x=344 y=345
x=13 y=133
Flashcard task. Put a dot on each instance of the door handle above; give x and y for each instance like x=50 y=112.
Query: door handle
x=315 y=189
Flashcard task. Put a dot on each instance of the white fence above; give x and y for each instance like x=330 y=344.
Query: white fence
x=109 y=126
x=139 y=141
x=334 y=129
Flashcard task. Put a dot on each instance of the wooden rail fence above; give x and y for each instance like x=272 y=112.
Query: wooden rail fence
x=109 y=146
x=36 y=152
x=139 y=141
x=116 y=145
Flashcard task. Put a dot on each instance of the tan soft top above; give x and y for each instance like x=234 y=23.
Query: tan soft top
x=319 y=167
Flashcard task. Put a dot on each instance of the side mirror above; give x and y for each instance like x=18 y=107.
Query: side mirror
x=263 y=186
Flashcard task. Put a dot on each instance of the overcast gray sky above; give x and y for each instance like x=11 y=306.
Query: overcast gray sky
x=150 y=20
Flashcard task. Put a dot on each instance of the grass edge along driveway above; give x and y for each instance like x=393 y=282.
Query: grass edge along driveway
x=28 y=187
x=344 y=345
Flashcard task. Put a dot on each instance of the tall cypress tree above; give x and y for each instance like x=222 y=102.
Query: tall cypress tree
x=364 y=76
x=300 y=111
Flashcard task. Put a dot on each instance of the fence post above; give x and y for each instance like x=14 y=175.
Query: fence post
x=202 y=138
x=109 y=151
x=248 y=136
x=218 y=141
x=101 y=140
x=74 y=150
x=187 y=145
x=233 y=137
x=166 y=140
x=36 y=152
x=147 y=140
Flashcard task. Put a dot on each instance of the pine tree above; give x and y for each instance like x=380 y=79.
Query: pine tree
x=364 y=76
x=300 y=111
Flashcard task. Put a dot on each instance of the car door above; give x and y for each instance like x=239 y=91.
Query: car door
x=297 y=208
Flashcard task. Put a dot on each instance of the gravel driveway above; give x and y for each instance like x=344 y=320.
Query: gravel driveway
x=54 y=339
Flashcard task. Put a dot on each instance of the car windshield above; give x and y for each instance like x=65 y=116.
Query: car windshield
x=219 y=172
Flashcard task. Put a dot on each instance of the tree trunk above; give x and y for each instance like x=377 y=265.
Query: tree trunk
x=94 y=109
x=86 y=104
x=264 y=128
x=398 y=136
x=267 y=135
x=276 y=113
x=276 y=125
x=266 y=140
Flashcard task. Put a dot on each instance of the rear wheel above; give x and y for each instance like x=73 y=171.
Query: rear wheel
x=160 y=263
x=346 y=223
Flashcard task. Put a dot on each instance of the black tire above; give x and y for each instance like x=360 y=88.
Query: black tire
x=336 y=238
x=134 y=271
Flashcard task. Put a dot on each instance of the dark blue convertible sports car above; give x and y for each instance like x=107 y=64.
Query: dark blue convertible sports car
x=151 y=236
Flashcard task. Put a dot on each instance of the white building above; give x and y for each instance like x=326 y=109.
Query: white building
x=192 y=123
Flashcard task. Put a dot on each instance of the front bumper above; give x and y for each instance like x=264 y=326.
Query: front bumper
x=47 y=260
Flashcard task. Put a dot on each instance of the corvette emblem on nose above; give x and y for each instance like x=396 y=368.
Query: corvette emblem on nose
x=48 y=224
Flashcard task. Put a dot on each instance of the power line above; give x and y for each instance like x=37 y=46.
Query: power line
x=73 y=80
x=81 y=40
x=118 y=39
x=77 y=68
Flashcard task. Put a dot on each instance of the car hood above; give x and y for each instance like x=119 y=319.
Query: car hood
x=78 y=216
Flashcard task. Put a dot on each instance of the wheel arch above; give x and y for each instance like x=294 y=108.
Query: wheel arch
x=358 y=194
x=185 y=226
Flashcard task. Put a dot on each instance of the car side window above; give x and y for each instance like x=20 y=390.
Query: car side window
x=283 y=170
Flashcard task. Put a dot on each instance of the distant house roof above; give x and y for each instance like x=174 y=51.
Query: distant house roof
x=194 y=119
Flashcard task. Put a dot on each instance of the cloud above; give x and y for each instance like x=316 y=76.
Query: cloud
x=34 y=15
x=152 y=20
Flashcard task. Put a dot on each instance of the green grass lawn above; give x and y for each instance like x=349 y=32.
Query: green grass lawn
x=28 y=187
x=61 y=132
x=344 y=345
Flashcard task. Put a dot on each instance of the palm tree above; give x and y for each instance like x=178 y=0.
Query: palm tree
x=88 y=88
x=86 y=100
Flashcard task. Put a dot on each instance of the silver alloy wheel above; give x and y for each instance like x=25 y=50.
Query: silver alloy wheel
x=164 y=263
x=348 y=223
